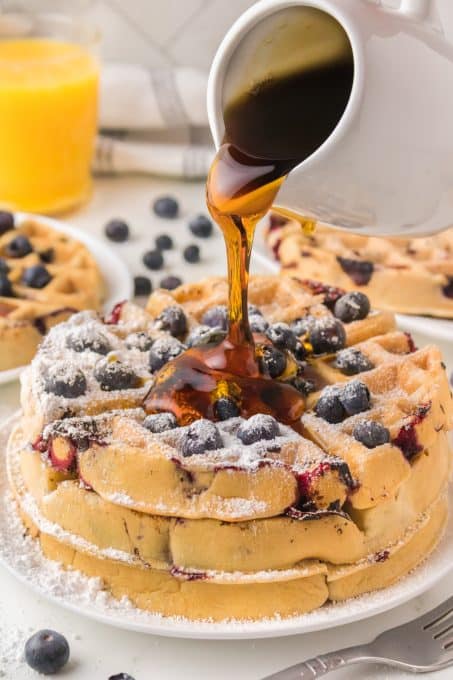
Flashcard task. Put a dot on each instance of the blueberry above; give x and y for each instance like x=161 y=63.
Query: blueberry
x=371 y=434
x=163 y=242
x=253 y=310
x=6 y=289
x=205 y=335
x=153 y=259
x=447 y=290
x=201 y=226
x=360 y=271
x=225 y=408
x=170 y=282
x=6 y=222
x=36 y=276
x=65 y=381
x=164 y=350
x=303 y=386
x=191 y=254
x=258 y=323
x=173 y=320
x=329 y=406
x=281 y=335
x=351 y=361
x=19 y=247
x=199 y=437
x=117 y=230
x=326 y=334
x=272 y=361
x=141 y=341
x=355 y=397
x=216 y=317
x=299 y=352
x=301 y=326
x=113 y=375
x=352 y=307
x=4 y=268
x=166 y=206
x=257 y=428
x=46 y=652
x=121 y=676
x=142 y=286
x=80 y=341
x=160 y=422
x=47 y=256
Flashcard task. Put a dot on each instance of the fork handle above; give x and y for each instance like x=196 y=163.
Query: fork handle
x=324 y=663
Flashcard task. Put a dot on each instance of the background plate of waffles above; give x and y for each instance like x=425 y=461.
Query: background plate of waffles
x=80 y=272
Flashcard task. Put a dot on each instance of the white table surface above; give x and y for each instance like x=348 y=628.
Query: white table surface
x=98 y=651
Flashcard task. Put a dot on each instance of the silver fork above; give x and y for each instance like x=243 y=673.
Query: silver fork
x=422 y=645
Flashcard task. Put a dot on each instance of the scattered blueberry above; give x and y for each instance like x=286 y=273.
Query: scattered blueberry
x=258 y=323
x=329 y=406
x=117 y=230
x=79 y=341
x=303 y=386
x=153 y=259
x=64 y=381
x=164 y=242
x=141 y=341
x=355 y=397
x=173 y=320
x=142 y=286
x=19 y=246
x=113 y=375
x=201 y=436
x=225 y=408
x=326 y=334
x=352 y=307
x=216 y=317
x=371 y=434
x=6 y=289
x=170 y=282
x=281 y=335
x=447 y=290
x=47 y=256
x=201 y=226
x=191 y=254
x=6 y=222
x=257 y=428
x=160 y=422
x=360 y=271
x=166 y=206
x=300 y=326
x=36 y=276
x=205 y=335
x=164 y=350
x=351 y=361
x=4 y=268
x=271 y=360
x=46 y=652
x=300 y=353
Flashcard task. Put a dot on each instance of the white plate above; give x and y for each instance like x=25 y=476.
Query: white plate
x=118 y=281
x=112 y=612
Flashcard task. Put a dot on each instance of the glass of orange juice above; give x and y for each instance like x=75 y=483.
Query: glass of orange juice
x=49 y=77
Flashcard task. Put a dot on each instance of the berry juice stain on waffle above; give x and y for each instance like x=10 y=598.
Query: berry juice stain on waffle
x=243 y=449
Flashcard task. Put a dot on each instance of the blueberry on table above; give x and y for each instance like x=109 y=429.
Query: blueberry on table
x=65 y=381
x=258 y=428
x=351 y=361
x=326 y=335
x=153 y=259
x=36 y=276
x=281 y=335
x=216 y=317
x=142 y=286
x=205 y=335
x=170 y=282
x=163 y=242
x=329 y=406
x=355 y=397
x=353 y=306
x=173 y=320
x=166 y=206
x=113 y=375
x=225 y=408
x=191 y=254
x=371 y=434
x=47 y=652
x=19 y=246
x=201 y=226
x=160 y=422
x=271 y=361
x=199 y=437
x=6 y=222
x=6 y=289
x=117 y=230
x=163 y=351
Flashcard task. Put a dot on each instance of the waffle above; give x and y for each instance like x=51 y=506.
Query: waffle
x=29 y=312
x=246 y=531
x=388 y=270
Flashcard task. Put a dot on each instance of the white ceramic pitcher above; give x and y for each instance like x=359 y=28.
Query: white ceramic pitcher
x=387 y=168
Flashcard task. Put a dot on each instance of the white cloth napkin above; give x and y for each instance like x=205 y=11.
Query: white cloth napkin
x=150 y=120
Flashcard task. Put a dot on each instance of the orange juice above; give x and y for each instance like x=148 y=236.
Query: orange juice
x=48 y=116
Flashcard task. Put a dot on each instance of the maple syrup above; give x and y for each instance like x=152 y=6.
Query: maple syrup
x=269 y=129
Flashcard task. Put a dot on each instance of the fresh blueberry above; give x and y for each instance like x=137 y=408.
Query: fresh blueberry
x=163 y=351
x=352 y=307
x=170 y=282
x=142 y=286
x=258 y=323
x=216 y=317
x=360 y=271
x=164 y=242
x=355 y=397
x=257 y=428
x=173 y=320
x=19 y=246
x=80 y=341
x=6 y=289
x=205 y=335
x=4 y=268
x=303 y=386
x=272 y=361
x=299 y=352
x=46 y=652
x=447 y=290
x=117 y=230
x=329 y=406
x=141 y=341
x=281 y=335
x=36 y=276
x=6 y=222
x=199 y=437
x=153 y=259
x=301 y=326
x=166 y=206
x=351 y=361
x=65 y=381
x=225 y=408
x=160 y=422
x=201 y=226
x=113 y=375
x=47 y=256
x=191 y=254
x=326 y=334
x=371 y=434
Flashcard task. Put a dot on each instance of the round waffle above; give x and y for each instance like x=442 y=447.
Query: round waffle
x=388 y=270
x=27 y=311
